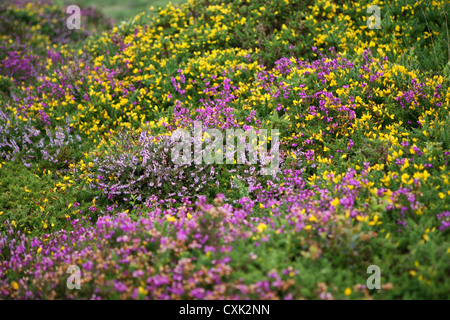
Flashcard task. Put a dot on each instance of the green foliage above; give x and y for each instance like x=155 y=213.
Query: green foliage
x=33 y=202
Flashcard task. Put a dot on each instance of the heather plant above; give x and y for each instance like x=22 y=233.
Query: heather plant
x=19 y=63
x=205 y=251
x=142 y=166
x=23 y=141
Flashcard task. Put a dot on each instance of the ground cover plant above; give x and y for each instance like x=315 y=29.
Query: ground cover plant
x=86 y=124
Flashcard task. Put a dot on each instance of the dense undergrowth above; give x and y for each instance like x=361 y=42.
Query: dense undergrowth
x=363 y=115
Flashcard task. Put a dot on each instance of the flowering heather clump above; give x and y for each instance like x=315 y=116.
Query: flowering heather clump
x=22 y=140
x=18 y=62
x=123 y=258
x=142 y=166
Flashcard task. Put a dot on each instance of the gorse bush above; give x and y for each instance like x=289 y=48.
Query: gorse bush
x=279 y=28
